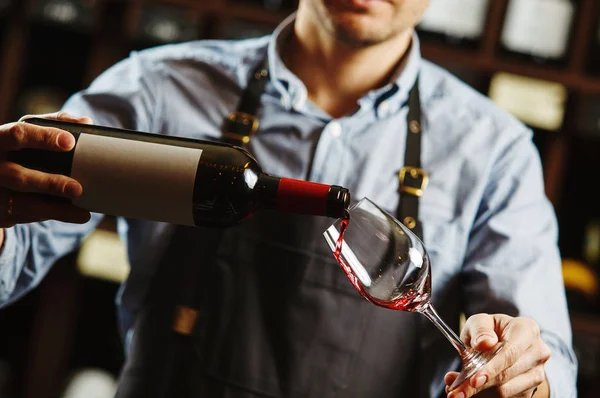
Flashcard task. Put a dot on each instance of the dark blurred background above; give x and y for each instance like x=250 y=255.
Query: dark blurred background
x=538 y=59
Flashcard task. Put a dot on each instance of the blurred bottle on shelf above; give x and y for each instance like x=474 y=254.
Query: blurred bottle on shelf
x=72 y=14
x=539 y=30
x=459 y=22
x=160 y=24
x=538 y=103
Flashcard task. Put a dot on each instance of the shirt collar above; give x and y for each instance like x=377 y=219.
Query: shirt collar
x=382 y=100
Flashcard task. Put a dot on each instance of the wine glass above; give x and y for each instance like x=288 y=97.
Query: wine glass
x=389 y=266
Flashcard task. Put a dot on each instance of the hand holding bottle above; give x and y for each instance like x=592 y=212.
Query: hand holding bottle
x=163 y=178
x=25 y=194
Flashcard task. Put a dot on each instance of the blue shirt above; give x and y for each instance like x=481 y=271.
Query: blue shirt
x=485 y=215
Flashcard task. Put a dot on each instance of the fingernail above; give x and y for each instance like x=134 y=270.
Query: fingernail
x=66 y=141
x=73 y=189
x=459 y=394
x=480 y=381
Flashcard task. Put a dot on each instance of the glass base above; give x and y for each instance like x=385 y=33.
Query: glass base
x=472 y=363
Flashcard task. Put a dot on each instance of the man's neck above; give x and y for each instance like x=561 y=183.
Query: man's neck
x=337 y=74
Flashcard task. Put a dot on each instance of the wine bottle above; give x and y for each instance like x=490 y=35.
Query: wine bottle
x=538 y=29
x=458 y=22
x=175 y=180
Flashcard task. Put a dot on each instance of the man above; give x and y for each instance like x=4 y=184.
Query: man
x=276 y=317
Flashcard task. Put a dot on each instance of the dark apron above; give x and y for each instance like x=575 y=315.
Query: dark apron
x=269 y=312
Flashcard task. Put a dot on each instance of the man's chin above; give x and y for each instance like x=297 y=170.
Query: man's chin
x=359 y=32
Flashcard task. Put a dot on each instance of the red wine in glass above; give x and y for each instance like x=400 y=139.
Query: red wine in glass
x=389 y=266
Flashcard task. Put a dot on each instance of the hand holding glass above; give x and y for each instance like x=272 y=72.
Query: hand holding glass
x=389 y=266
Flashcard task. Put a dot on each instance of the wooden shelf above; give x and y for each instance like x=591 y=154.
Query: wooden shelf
x=482 y=63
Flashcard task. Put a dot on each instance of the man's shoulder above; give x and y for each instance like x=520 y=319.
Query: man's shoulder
x=445 y=95
x=228 y=56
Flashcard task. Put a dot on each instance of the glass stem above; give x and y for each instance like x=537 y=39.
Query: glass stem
x=433 y=316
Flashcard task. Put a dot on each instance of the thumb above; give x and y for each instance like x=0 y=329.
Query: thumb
x=479 y=332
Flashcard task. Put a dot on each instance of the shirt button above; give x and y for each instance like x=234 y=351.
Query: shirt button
x=383 y=109
x=334 y=129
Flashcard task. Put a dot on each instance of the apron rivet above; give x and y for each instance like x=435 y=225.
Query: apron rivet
x=414 y=127
x=409 y=222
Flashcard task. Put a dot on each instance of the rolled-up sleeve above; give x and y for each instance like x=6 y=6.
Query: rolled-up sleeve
x=513 y=262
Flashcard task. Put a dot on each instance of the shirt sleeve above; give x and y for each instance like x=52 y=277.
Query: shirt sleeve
x=123 y=96
x=30 y=250
x=513 y=264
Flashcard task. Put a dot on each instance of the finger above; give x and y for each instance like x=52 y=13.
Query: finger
x=26 y=208
x=61 y=115
x=532 y=358
x=480 y=332
x=19 y=178
x=518 y=336
x=523 y=385
x=15 y=136
x=449 y=379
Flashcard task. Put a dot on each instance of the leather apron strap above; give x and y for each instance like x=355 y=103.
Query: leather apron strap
x=412 y=178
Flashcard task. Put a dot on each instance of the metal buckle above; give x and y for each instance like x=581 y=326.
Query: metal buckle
x=240 y=126
x=184 y=320
x=414 y=173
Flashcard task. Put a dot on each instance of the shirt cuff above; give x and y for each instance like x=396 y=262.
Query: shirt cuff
x=561 y=375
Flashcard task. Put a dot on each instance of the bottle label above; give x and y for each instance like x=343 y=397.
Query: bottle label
x=538 y=27
x=136 y=179
x=456 y=18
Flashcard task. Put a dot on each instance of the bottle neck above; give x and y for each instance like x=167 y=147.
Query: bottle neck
x=303 y=197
